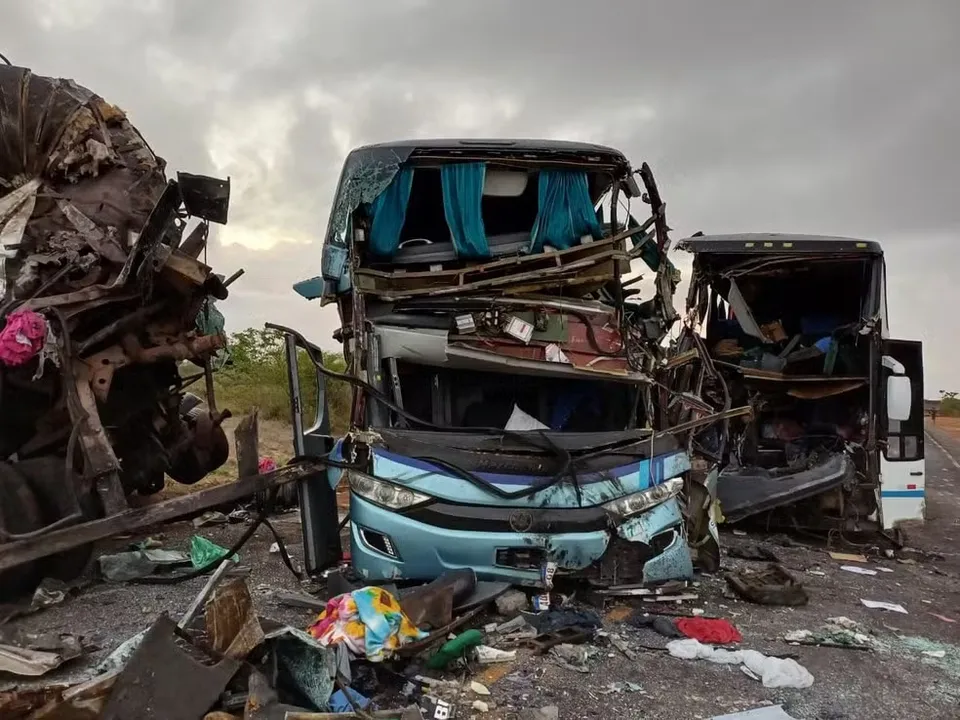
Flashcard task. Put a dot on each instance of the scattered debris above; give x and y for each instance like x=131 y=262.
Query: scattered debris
x=512 y=602
x=706 y=630
x=944 y=618
x=431 y=605
x=135 y=564
x=838 y=632
x=340 y=703
x=39 y=655
x=572 y=657
x=773 y=586
x=771 y=671
x=204 y=553
x=619 y=687
x=664 y=626
x=369 y=621
x=211 y=517
x=848 y=557
x=161 y=681
x=548 y=712
x=881 y=605
x=232 y=625
x=488 y=655
x=858 y=570
x=753 y=551
x=455 y=648
x=770 y=712
x=479 y=688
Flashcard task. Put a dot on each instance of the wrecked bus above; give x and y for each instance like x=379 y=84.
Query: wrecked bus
x=502 y=414
x=796 y=326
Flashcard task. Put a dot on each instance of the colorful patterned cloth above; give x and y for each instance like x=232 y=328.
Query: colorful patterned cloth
x=368 y=621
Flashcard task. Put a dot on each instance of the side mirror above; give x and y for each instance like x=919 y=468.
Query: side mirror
x=899 y=396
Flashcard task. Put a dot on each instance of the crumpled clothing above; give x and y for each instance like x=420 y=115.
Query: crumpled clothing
x=663 y=625
x=772 y=672
x=368 y=621
x=709 y=630
x=23 y=337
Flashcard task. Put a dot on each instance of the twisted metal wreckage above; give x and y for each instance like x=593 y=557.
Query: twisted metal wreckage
x=96 y=253
x=103 y=295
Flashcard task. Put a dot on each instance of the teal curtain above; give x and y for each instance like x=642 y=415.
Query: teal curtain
x=462 y=195
x=566 y=211
x=389 y=211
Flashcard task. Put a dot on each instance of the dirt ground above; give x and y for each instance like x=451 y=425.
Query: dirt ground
x=897 y=681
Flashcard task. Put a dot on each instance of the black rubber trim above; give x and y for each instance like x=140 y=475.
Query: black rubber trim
x=485 y=453
x=483 y=518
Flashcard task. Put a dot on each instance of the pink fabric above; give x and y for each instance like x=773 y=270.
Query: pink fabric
x=266 y=465
x=23 y=337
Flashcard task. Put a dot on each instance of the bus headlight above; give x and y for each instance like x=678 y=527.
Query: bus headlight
x=386 y=494
x=636 y=503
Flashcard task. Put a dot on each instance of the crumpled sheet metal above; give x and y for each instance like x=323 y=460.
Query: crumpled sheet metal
x=165 y=681
x=232 y=623
x=74 y=171
x=306 y=664
x=31 y=655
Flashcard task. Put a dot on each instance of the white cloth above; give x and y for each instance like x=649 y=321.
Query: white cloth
x=772 y=672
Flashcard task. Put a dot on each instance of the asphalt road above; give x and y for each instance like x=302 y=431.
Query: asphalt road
x=896 y=682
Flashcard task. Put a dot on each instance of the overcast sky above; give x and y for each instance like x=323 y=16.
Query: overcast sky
x=817 y=116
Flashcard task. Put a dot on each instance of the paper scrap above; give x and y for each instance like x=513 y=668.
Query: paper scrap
x=848 y=557
x=858 y=570
x=555 y=354
x=942 y=617
x=935 y=653
x=770 y=712
x=880 y=605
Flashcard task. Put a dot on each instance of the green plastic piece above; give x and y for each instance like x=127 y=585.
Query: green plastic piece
x=203 y=552
x=454 y=649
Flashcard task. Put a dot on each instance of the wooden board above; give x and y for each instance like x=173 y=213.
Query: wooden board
x=25 y=551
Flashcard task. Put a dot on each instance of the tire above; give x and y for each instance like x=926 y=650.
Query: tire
x=19 y=513
x=46 y=477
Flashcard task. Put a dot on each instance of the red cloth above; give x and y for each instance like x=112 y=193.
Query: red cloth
x=706 y=630
x=22 y=337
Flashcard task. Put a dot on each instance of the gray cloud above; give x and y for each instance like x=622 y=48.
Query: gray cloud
x=756 y=115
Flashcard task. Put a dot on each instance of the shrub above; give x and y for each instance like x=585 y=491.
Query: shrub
x=256 y=376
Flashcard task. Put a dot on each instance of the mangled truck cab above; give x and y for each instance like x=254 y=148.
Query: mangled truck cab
x=796 y=327
x=502 y=365
x=104 y=295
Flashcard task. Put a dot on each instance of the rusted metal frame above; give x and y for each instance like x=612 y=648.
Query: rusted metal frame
x=134 y=519
x=102 y=464
x=137 y=317
x=358 y=357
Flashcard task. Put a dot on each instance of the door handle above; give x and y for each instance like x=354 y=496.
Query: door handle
x=916 y=473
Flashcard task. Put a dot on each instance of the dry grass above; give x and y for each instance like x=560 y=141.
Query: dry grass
x=276 y=441
x=950 y=425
